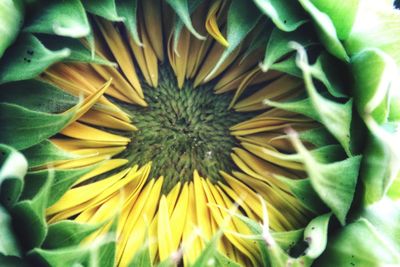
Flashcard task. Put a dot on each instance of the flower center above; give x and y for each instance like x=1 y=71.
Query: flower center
x=183 y=130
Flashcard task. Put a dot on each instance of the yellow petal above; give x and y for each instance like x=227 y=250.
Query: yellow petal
x=272 y=156
x=81 y=194
x=203 y=214
x=153 y=22
x=99 y=118
x=286 y=85
x=212 y=24
x=120 y=52
x=137 y=233
x=178 y=217
x=84 y=132
x=165 y=245
x=103 y=167
x=146 y=58
x=120 y=83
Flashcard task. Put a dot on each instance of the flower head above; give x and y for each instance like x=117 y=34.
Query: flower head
x=198 y=132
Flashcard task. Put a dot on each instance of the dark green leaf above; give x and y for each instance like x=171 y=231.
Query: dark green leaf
x=27 y=58
x=9 y=245
x=12 y=172
x=44 y=153
x=286 y=14
x=23 y=128
x=79 y=52
x=33 y=211
x=128 y=10
x=278 y=44
x=67 y=233
x=65 y=18
x=181 y=7
x=333 y=73
x=12 y=261
x=103 y=8
x=25 y=94
x=62 y=181
x=11 y=20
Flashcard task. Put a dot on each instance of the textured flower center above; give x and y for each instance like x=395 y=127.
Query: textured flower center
x=183 y=130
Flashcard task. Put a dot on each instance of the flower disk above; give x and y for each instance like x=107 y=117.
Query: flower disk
x=183 y=130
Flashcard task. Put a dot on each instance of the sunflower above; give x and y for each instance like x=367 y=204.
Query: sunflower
x=198 y=133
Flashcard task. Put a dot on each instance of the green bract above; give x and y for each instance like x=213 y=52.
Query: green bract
x=347 y=53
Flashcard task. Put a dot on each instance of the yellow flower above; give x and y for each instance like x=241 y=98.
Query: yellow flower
x=177 y=142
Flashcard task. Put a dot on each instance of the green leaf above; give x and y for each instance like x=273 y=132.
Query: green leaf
x=12 y=261
x=286 y=240
x=67 y=233
x=334 y=183
x=301 y=106
x=222 y=260
x=12 y=172
x=326 y=30
x=341 y=13
x=278 y=44
x=65 y=18
x=317 y=136
x=286 y=14
x=11 y=20
x=242 y=18
x=68 y=256
x=23 y=128
x=62 y=181
x=28 y=54
x=142 y=258
x=373 y=73
x=379 y=167
x=32 y=210
x=328 y=154
x=103 y=8
x=316 y=235
x=376 y=26
x=333 y=73
x=25 y=94
x=192 y=5
x=358 y=244
x=9 y=245
x=304 y=192
x=181 y=7
x=394 y=189
x=95 y=254
x=128 y=10
x=335 y=116
x=105 y=254
x=45 y=153
x=79 y=52
x=385 y=216
x=288 y=66
x=211 y=256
